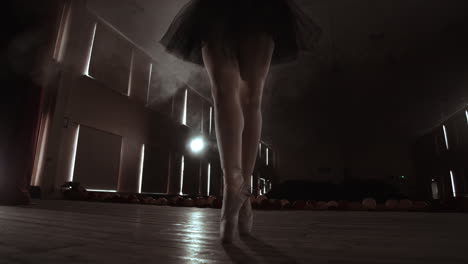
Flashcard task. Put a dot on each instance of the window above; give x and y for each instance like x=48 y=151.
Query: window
x=140 y=76
x=98 y=147
x=262 y=186
x=155 y=170
x=110 y=59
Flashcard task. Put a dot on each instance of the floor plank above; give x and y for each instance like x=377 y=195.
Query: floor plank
x=57 y=231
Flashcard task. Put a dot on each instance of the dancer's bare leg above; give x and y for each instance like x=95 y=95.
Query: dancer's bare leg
x=224 y=76
x=255 y=53
x=223 y=72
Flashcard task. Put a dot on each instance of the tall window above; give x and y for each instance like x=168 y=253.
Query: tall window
x=110 y=59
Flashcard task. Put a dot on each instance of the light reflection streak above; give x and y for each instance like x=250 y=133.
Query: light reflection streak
x=196 y=233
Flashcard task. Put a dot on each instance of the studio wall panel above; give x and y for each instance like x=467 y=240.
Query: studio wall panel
x=155 y=170
x=97 y=159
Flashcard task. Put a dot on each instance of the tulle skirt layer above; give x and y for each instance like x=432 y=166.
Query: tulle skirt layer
x=199 y=21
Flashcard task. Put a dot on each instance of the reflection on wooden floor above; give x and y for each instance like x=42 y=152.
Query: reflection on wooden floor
x=87 y=232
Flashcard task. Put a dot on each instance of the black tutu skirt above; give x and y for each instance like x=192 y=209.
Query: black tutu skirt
x=290 y=28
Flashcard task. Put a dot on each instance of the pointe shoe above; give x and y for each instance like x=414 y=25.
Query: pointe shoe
x=246 y=218
x=235 y=192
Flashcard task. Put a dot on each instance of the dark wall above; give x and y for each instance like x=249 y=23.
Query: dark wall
x=26 y=35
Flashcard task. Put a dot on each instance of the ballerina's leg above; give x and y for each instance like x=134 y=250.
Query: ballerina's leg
x=223 y=72
x=255 y=53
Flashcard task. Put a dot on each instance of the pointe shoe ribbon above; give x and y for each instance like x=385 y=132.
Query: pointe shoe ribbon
x=235 y=193
x=245 y=218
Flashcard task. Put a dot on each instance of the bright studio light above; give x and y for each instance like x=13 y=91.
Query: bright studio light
x=197 y=144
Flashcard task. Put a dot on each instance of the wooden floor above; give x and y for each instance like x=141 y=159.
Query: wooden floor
x=90 y=232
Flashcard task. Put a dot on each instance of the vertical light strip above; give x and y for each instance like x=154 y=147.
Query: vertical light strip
x=435 y=190
x=266 y=156
x=140 y=173
x=39 y=163
x=260 y=150
x=130 y=76
x=184 y=114
x=73 y=157
x=466 y=114
x=90 y=51
x=251 y=183
x=149 y=83
x=453 y=184
x=62 y=34
x=209 y=179
x=58 y=40
x=181 y=175
x=258 y=184
x=211 y=119
x=445 y=135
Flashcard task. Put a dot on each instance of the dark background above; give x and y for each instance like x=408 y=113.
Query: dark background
x=385 y=73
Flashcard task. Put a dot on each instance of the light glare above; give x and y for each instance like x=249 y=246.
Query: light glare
x=197 y=145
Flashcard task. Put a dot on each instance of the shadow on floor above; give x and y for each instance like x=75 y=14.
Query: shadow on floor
x=263 y=252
